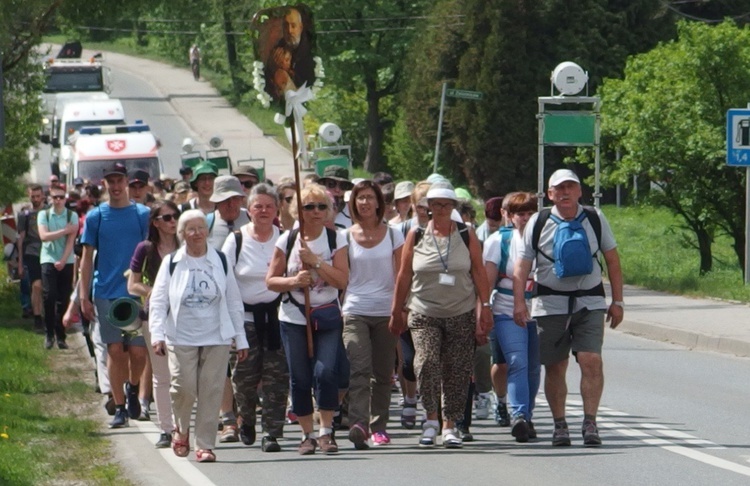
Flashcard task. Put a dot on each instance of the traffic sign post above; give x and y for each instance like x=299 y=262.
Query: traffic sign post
x=738 y=155
x=453 y=93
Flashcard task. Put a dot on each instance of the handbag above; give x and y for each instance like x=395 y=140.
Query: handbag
x=326 y=317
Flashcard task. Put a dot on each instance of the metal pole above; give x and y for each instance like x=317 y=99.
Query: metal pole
x=747 y=226
x=440 y=127
x=597 y=183
x=540 y=156
x=2 y=106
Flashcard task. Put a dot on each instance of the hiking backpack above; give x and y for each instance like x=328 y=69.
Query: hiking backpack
x=571 y=253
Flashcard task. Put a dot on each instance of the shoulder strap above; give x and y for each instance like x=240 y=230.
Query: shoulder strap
x=419 y=233
x=541 y=220
x=223 y=261
x=596 y=224
x=463 y=230
x=172 y=263
x=290 y=241
x=331 y=239
x=390 y=233
x=238 y=244
x=506 y=234
x=211 y=220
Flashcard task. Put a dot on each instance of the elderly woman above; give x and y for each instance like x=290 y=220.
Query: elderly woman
x=520 y=345
x=144 y=265
x=196 y=313
x=315 y=262
x=249 y=251
x=443 y=277
x=374 y=253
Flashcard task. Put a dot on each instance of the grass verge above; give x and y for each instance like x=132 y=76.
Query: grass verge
x=46 y=436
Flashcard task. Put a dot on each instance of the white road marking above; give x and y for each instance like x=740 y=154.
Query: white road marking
x=181 y=465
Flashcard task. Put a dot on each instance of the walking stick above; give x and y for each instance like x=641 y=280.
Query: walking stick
x=306 y=290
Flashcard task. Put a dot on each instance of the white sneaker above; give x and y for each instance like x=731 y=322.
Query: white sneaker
x=429 y=432
x=482 y=404
x=452 y=439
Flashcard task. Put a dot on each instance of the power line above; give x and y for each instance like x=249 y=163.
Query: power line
x=671 y=6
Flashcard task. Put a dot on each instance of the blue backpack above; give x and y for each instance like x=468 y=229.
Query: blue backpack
x=571 y=252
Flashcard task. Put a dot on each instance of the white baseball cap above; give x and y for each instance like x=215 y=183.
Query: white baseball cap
x=562 y=175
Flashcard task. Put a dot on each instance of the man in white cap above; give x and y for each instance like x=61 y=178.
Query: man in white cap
x=228 y=216
x=570 y=305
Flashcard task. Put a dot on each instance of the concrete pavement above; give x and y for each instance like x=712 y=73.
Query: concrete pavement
x=704 y=324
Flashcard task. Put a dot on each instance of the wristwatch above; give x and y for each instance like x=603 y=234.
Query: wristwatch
x=486 y=304
x=317 y=264
x=619 y=303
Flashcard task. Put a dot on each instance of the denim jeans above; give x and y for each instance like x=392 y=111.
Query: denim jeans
x=319 y=372
x=521 y=350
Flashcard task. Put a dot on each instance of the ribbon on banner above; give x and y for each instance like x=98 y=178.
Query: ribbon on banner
x=295 y=106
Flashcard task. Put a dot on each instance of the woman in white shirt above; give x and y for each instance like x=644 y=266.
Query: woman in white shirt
x=374 y=253
x=520 y=345
x=196 y=313
x=249 y=251
x=315 y=262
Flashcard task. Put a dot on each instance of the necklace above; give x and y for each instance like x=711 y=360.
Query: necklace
x=373 y=232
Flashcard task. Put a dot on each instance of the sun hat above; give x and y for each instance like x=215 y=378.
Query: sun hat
x=181 y=187
x=226 y=186
x=562 y=175
x=248 y=171
x=442 y=190
x=403 y=189
x=204 y=168
x=463 y=194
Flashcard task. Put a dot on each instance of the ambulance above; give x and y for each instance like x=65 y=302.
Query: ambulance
x=94 y=149
x=78 y=114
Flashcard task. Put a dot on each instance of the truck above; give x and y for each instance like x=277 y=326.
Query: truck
x=74 y=116
x=77 y=74
x=94 y=149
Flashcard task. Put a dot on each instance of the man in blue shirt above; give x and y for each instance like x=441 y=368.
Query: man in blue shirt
x=113 y=229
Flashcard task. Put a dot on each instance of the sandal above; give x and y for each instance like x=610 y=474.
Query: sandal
x=205 y=455
x=181 y=447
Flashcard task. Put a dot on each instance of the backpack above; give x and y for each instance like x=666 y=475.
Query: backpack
x=506 y=235
x=570 y=248
x=463 y=230
x=222 y=256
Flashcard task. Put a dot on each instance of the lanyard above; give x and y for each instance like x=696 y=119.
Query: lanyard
x=447 y=253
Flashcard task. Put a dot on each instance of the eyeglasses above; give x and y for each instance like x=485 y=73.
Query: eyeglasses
x=288 y=199
x=442 y=205
x=367 y=198
x=167 y=217
x=58 y=197
x=318 y=206
x=195 y=231
x=333 y=184
x=248 y=184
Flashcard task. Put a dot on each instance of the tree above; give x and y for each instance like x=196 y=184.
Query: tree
x=22 y=24
x=668 y=116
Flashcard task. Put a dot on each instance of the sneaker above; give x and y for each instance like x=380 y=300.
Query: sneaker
x=307 y=446
x=120 y=420
x=381 y=438
x=328 y=444
x=409 y=416
x=532 y=430
x=358 y=436
x=269 y=444
x=520 y=429
x=228 y=434
x=464 y=433
x=561 y=435
x=49 y=342
x=110 y=406
x=131 y=401
x=590 y=434
x=164 y=442
x=429 y=432
x=62 y=345
x=451 y=439
x=247 y=434
x=501 y=415
x=482 y=404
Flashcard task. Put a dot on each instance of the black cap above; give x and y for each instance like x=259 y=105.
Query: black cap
x=118 y=168
x=78 y=181
x=138 y=175
x=186 y=170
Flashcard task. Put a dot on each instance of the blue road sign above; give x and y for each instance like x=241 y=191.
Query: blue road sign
x=738 y=137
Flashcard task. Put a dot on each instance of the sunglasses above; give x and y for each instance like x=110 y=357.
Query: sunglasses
x=288 y=199
x=332 y=184
x=248 y=184
x=58 y=197
x=167 y=217
x=319 y=207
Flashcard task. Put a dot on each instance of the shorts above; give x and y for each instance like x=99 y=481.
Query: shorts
x=109 y=333
x=33 y=267
x=585 y=334
x=497 y=356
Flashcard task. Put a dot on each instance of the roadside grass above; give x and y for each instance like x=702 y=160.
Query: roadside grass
x=46 y=436
x=654 y=255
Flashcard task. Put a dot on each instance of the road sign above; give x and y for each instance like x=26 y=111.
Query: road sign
x=464 y=94
x=738 y=137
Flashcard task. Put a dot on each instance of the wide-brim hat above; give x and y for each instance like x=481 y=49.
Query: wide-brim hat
x=181 y=187
x=226 y=186
x=248 y=171
x=336 y=173
x=442 y=190
x=204 y=168
x=562 y=175
x=403 y=189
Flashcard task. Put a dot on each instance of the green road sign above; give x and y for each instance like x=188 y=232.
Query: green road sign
x=464 y=94
x=569 y=128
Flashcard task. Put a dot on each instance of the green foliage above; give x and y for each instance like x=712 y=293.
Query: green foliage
x=668 y=117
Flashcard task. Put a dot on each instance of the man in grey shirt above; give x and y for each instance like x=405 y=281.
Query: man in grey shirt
x=570 y=311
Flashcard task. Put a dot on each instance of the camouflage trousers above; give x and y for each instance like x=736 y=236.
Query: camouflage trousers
x=268 y=369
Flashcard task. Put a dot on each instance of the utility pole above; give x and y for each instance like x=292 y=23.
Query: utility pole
x=2 y=106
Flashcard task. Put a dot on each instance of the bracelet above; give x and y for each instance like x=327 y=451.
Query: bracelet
x=619 y=303
x=486 y=304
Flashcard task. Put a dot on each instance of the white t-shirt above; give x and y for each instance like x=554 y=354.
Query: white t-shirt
x=502 y=301
x=252 y=266
x=199 y=305
x=220 y=230
x=372 y=278
x=320 y=293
